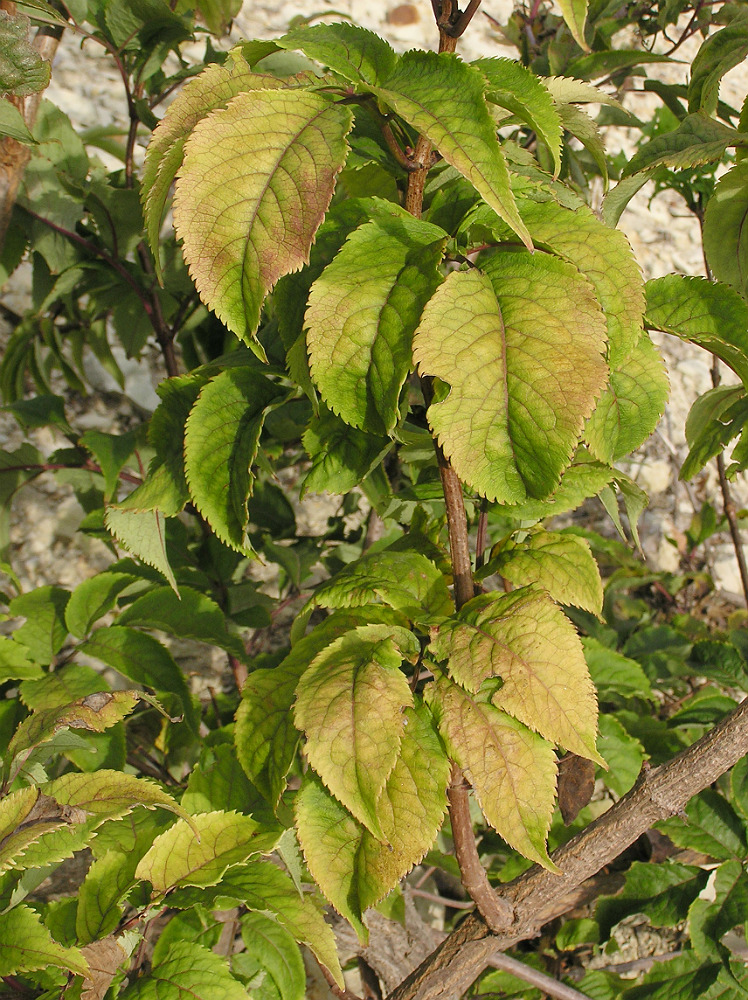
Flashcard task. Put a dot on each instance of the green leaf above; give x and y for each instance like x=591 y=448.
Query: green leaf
x=585 y=129
x=100 y=896
x=361 y=315
x=406 y=581
x=165 y=487
x=698 y=139
x=266 y=738
x=189 y=615
x=512 y=770
x=525 y=639
x=93 y=598
x=682 y=978
x=613 y=673
x=62 y=686
x=725 y=232
x=188 y=971
x=22 y=69
x=218 y=782
x=512 y=86
x=739 y=787
x=623 y=754
x=719 y=661
x=15 y=663
x=504 y=435
x=709 y=920
x=443 y=99
x=143 y=659
x=44 y=631
x=575 y=15
x=12 y=124
x=716 y=56
x=261 y=885
x=199 y=850
x=271 y=951
x=712 y=827
x=341 y=455
x=630 y=408
x=143 y=533
x=28 y=946
x=255 y=184
x=663 y=892
x=561 y=564
x=220 y=445
x=217 y=14
x=111 y=451
x=350 y=703
x=617 y=198
x=716 y=417
x=359 y=55
x=353 y=868
x=703 y=312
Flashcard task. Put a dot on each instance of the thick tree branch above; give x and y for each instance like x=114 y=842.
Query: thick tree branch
x=659 y=793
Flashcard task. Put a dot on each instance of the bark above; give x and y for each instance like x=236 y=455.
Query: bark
x=15 y=155
x=659 y=793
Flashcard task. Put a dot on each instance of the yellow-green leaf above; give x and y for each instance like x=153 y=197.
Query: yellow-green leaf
x=198 y=851
x=520 y=347
x=352 y=867
x=350 y=704
x=361 y=315
x=561 y=564
x=255 y=184
x=109 y=794
x=265 y=736
x=525 y=639
x=188 y=971
x=630 y=408
x=575 y=15
x=604 y=256
x=27 y=945
x=406 y=581
x=512 y=770
x=444 y=99
x=212 y=89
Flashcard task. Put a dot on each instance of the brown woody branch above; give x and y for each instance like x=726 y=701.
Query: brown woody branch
x=15 y=155
x=659 y=793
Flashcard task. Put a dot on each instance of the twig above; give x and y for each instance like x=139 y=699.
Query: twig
x=496 y=912
x=239 y=671
x=552 y=987
x=482 y=537
x=728 y=503
x=341 y=994
x=642 y=964
x=454 y=904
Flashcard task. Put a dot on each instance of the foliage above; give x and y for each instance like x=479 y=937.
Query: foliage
x=384 y=282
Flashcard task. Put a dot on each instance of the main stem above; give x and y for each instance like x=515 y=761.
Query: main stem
x=494 y=911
